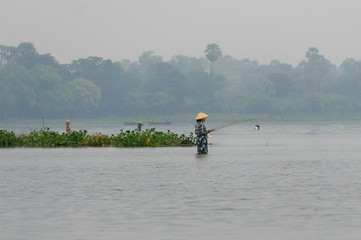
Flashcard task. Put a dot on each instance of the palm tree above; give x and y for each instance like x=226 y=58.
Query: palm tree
x=213 y=52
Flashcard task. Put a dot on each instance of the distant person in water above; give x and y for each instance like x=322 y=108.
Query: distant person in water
x=67 y=126
x=201 y=133
x=256 y=127
x=140 y=124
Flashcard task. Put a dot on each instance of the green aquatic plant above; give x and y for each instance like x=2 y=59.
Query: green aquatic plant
x=97 y=140
x=47 y=138
x=128 y=138
x=8 y=139
x=151 y=138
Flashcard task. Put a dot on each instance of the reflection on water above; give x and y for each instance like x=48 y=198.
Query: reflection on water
x=282 y=182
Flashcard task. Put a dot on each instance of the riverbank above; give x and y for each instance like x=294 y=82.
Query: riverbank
x=127 y=138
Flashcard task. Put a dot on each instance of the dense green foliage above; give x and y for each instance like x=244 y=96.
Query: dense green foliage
x=8 y=139
x=34 y=85
x=47 y=138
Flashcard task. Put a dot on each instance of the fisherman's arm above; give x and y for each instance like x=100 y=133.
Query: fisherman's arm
x=205 y=131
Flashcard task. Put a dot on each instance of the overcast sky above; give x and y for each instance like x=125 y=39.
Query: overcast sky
x=260 y=30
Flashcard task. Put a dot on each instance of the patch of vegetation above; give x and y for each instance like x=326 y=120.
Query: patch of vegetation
x=48 y=138
x=8 y=139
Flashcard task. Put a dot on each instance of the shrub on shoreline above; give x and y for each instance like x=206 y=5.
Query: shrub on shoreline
x=47 y=138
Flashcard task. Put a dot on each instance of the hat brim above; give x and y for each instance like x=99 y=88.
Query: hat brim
x=201 y=116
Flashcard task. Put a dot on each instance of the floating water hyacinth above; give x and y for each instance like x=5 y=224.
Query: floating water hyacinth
x=129 y=138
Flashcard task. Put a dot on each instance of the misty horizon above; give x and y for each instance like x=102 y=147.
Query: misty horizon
x=261 y=31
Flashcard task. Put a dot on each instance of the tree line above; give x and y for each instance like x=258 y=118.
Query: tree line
x=34 y=85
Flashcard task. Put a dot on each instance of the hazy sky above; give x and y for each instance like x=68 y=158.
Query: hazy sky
x=260 y=30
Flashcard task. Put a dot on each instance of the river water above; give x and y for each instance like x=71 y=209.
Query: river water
x=285 y=181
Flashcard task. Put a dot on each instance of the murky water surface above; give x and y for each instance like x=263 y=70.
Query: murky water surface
x=293 y=181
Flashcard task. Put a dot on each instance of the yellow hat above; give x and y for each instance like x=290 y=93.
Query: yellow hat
x=201 y=116
x=139 y=121
x=67 y=120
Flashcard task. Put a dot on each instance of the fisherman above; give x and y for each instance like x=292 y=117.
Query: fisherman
x=256 y=127
x=140 y=124
x=67 y=126
x=201 y=133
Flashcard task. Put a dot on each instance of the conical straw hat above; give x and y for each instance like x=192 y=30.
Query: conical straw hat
x=139 y=121
x=201 y=116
